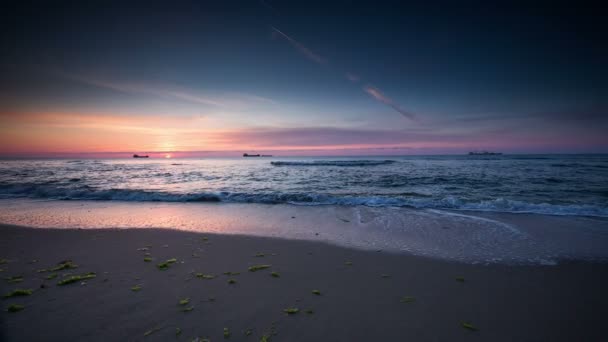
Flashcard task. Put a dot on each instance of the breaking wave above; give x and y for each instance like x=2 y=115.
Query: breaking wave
x=332 y=163
x=414 y=200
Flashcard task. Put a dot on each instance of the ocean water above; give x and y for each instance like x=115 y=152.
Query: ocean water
x=574 y=185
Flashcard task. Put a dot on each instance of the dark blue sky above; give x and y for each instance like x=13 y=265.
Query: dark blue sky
x=443 y=77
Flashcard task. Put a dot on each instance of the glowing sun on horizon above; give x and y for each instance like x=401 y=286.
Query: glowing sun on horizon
x=167 y=156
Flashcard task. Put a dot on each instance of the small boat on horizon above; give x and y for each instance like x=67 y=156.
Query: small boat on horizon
x=256 y=155
x=484 y=153
x=138 y=156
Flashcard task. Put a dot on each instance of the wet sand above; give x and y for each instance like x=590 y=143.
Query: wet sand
x=566 y=302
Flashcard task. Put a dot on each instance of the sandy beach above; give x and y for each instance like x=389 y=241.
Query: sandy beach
x=362 y=295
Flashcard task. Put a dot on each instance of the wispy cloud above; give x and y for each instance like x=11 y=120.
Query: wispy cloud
x=301 y=48
x=167 y=91
x=378 y=95
x=352 y=77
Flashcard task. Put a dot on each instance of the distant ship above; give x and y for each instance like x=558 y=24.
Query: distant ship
x=256 y=155
x=138 y=156
x=484 y=153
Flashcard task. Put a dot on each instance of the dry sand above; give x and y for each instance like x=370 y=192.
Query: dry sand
x=568 y=302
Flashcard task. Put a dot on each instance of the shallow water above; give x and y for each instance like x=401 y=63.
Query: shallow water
x=470 y=237
x=547 y=184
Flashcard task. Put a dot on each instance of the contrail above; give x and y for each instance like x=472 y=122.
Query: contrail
x=372 y=91
x=378 y=95
x=300 y=47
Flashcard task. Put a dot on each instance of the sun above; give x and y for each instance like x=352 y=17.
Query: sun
x=167 y=156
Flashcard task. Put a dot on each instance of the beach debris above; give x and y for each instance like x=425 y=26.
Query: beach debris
x=77 y=278
x=255 y=268
x=310 y=311
x=231 y=281
x=460 y=279
x=165 y=265
x=226 y=333
x=152 y=331
x=204 y=276
x=18 y=292
x=63 y=265
x=407 y=299
x=15 y=308
x=232 y=273
x=184 y=301
x=136 y=288
x=348 y=263
x=291 y=311
x=275 y=274
x=14 y=279
x=51 y=276
x=147 y=259
x=468 y=326
x=178 y=331
x=316 y=292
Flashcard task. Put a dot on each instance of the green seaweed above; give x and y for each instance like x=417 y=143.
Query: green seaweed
x=232 y=273
x=152 y=331
x=188 y=309
x=18 y=292
x=348 y=263
x=147 y=259
x=178 y=331
x=14 y=279
x=460 y=279
x=316 y=292
x=136 y=288
x=469 y=326
x=204 y=276
x=165 y=265
x=264 y=338
x=255 y=268
x=291 y=311
x=51 y=276
x=3 y=261
x=77 y=278
x=15 y=308
x=275 y=274
x=64 y=265
x=226 y=333
x=248 y=332
x=184 y=301
x=231 y=281
x=407 y=299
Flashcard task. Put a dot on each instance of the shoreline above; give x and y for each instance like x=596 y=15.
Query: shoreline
x=364 y=295
x=472 y=237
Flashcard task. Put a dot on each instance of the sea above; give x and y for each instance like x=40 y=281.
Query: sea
x=509 y=209
x=544 y=184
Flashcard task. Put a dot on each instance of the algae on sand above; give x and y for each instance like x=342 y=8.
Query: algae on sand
x=77 y=278
x=18 y=292
x=468 y=326
x=255 y=268
x=291 y=311
x=15 y=308
x=316 y=292
x=275 y=274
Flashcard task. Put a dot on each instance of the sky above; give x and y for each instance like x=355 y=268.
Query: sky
x=348 y=78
